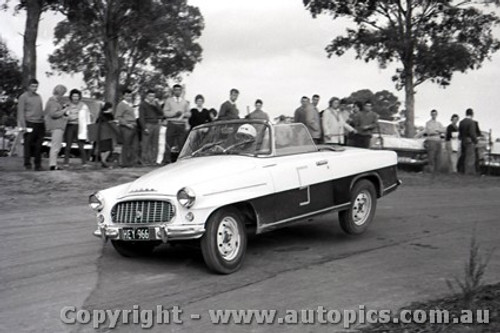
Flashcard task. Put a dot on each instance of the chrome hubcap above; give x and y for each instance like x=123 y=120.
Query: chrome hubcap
x=228 y=238
x=361 y=208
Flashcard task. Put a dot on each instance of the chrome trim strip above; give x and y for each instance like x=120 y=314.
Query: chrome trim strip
x=324 y=210
x=235 y=189
x=390 y=187
x=148 y=194
x=308 y=201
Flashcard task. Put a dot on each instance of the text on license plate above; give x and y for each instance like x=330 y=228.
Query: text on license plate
x=135 y=233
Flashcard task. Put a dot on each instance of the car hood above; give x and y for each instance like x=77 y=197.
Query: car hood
x=391 y=142
x=169 y=179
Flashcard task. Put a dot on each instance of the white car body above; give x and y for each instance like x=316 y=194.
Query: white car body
x=270 y=188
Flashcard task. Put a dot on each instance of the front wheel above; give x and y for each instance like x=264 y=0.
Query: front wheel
x=358 y=217
x=225 y=240
x=133 y=249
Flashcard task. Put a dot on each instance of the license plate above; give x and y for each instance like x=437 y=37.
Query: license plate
x=135 y=233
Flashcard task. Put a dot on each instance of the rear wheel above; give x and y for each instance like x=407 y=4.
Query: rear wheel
x=225 y=240
x=134 y=249
x=358 y=217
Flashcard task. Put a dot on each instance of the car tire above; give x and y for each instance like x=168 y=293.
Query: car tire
x=358 y=217
x=133 y=249
x=225 y=240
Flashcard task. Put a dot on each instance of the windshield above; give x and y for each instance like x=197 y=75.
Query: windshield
x=388 y=128
x=293 y=139
x=235 y=138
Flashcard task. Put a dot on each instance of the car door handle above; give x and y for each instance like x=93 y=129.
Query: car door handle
x=323 y=162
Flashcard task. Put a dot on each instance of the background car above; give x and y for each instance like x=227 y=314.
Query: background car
x=238 y=177
x=490 y=163
x=411 y=151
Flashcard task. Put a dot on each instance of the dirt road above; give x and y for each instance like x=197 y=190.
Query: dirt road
x=49 y=259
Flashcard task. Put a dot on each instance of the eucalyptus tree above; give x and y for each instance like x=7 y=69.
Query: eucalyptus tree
x=115 y=43
x=429 y=39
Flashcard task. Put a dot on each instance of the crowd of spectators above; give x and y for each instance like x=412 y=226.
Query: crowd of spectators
x=153 y=131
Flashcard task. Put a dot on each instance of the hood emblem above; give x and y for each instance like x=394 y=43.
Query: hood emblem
x=138 y=215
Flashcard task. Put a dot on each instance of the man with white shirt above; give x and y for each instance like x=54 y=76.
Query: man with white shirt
x=228 y=109
x=176 y=112
x=433 y=131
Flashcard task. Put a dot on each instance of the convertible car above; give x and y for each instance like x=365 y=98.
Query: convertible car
x=243 y=176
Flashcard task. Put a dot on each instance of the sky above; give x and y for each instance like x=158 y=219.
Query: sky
x=275 y=51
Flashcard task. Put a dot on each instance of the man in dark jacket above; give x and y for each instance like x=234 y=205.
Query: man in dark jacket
x=467 y=134
x=149 y=117
x=228 y=109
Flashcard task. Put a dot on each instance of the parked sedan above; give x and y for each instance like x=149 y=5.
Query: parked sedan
x=490 y=163
x=411 y=151
x=240 y=176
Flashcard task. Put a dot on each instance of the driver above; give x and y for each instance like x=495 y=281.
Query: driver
x=246 y=132
x=245 y=136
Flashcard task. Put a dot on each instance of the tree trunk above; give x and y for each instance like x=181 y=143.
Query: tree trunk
x=408 y=64
x=113 y=71
x=33 y=13
x=409 y=105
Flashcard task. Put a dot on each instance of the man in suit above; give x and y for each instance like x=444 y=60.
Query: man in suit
x=228 y=109
x=467 y=134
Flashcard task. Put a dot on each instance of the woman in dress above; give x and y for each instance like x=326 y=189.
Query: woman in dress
x=199 y=114
x=78 y=114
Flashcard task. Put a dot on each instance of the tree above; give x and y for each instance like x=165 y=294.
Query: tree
x=117 y=43
x=431 y=39
x=385 y=103
x=34 y=10
x=10 y=73
x=11 y=82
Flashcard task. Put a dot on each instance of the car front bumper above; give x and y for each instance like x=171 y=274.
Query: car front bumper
x=411 y=161
x=161 y=232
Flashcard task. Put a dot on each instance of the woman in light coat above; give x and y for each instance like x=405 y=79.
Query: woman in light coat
x=334 y=123
x=55 y=122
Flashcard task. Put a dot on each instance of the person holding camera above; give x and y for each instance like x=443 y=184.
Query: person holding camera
x=55 y=121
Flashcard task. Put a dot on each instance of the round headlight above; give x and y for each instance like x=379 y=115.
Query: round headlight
x=186 y=197
x=96 y=202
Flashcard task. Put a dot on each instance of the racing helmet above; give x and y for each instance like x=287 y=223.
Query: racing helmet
x=246 y=132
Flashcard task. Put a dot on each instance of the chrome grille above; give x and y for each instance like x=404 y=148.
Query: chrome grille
x=142 y=211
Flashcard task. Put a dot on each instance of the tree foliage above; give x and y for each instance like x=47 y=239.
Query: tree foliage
x=10 y=73
x=11 y=83
x=120 y=43
x=430 y=39
x=385 y=103
x=34 y=10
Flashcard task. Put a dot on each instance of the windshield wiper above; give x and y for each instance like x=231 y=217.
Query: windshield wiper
x=206 y=146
